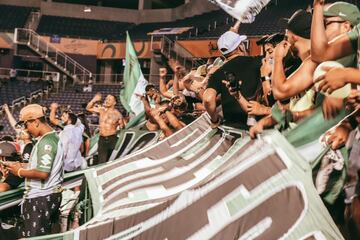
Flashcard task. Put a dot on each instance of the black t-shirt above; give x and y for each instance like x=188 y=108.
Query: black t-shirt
x=187 y=118
x=190 y=101
x=246 y=69
x=13 y=181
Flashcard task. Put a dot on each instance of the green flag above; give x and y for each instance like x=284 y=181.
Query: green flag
x=134 y=81
x=305 y=138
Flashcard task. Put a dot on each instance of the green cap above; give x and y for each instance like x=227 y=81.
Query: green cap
x=347 y=11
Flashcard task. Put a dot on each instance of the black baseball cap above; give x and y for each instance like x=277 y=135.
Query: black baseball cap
x=275 y=38
x=149 y=87
x=261 y=41
x=300 y=23
x=8 y=150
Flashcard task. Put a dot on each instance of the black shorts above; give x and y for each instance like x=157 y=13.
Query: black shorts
x=106 y=146
x=39 y=214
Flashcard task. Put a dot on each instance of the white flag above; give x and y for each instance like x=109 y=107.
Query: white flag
x=243 y=10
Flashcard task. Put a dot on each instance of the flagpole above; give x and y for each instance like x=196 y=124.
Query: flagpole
x=236 y=27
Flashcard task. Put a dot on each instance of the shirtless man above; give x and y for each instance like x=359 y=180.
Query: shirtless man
x=110 y=119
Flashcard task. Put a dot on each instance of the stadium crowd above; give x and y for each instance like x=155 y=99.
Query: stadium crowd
x=314 y=65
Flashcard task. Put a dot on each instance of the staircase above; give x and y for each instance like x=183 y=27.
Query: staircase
x=172 y=49
x=55 y=57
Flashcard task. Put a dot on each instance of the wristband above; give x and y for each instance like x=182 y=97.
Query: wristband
x=18 y=172
x=266 y=78
x=217 y=122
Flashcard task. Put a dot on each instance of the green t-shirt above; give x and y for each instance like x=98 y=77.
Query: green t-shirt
x=46 y=156
x=354 y=39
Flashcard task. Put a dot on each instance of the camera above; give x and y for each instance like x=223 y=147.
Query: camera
x=233 y=81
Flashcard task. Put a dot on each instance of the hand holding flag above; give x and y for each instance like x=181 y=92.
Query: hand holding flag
x=243 y=10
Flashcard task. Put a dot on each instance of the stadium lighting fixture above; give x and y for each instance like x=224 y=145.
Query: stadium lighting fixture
x=87 y=9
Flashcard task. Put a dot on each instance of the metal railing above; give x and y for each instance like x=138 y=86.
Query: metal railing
x=108 y=78
x=118 y=78
x=27 y=74
x=51 y=54
x=30 y=75
x=174 y=50
x=36 y=94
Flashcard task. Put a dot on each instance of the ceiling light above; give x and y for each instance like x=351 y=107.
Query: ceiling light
x=87 y=9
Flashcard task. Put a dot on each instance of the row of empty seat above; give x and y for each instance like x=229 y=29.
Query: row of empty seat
x=76 y=27
x=17 y=93
x=14 y=89
x=78 y=99
x=13 y=17
x=207 y=25
x=73 y=97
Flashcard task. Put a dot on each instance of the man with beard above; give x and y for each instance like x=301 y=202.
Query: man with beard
x=109 y=121
x=302 y=79
x=71 y=138
x=298 y=42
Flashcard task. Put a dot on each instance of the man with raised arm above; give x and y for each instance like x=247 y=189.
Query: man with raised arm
x=337 y=21
x=110 y=119
x=22 y=136
x=71 y=138
x=344 y=45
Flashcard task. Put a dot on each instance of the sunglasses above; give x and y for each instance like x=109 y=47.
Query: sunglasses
x=26 y=123
x=327 y=23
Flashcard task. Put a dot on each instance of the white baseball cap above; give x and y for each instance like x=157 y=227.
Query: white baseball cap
x=229 y=41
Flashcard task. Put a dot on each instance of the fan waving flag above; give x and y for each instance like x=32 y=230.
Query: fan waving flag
x=134 y=81
x=243 y=10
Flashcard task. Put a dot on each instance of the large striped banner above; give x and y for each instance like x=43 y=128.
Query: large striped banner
x=265 y=193
x=201 y=183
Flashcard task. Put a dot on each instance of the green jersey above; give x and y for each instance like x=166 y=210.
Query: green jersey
x=46 y=156
x=355 y=41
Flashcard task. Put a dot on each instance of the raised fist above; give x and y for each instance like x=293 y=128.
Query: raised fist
x=97 y=97
x=162 y=72
x=54 y=106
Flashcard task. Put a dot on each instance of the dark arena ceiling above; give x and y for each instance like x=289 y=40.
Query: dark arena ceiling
x=129 y=4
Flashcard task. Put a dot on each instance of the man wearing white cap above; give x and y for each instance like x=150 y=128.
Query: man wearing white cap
x=243 y=75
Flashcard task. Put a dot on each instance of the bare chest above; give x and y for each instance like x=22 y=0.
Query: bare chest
x=109 y=118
